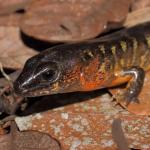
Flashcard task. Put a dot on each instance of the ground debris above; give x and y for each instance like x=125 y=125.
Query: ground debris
x=71 y=20
x=27 y=140
x=87 y=125
x=28 y=26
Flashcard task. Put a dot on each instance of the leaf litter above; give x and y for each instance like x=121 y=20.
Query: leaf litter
x=89 y=124
x=27 y=140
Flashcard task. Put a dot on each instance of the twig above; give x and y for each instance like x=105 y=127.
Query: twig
x=6 y=119
x=118 y=135
x=3 y=73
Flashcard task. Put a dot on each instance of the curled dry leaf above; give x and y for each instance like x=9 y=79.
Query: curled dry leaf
x=13 y=52
x=71 y=20
x=27 y=140
x=87 y=125
x=143 y=108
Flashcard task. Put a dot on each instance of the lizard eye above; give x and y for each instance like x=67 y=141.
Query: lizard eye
x=47 y=72
x=50 y=75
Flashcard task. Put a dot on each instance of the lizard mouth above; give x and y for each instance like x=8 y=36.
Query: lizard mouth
x=31 y=92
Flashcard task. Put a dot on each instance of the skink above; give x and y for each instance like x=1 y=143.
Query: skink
x=122 y=57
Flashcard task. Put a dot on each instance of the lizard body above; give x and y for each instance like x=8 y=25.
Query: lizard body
x=109 y=61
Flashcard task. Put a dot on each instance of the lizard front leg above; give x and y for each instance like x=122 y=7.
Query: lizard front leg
x=134 y=86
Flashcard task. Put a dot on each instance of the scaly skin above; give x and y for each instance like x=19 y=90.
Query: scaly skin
x=112 y=60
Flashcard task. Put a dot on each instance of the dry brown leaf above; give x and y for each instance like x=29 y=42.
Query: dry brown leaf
x=10 y=20
x=13 y=52
x=71 y=20
x=139 y=4
x=29 y=140
x=8 y=6
x=143 y=108
x=8 y=13
x=118 y=135
x=137 y=17
x=2 y=131
x=87 y=125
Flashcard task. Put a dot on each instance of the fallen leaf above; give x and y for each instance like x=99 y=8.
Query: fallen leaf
x=143 y=108
x=139 y=4
x=9 y=101
x=10 y=20
x=28 y=140
x=71 y=20
x=8 y=6
x=118 y=135
x=13 y=52
x=137 y=17
x=87 y=125
x=2 y=131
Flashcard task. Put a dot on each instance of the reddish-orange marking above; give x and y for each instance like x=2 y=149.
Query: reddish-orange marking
x=119 y=80
x=90 y=78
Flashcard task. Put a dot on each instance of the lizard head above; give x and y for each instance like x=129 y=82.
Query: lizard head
x=52 y=71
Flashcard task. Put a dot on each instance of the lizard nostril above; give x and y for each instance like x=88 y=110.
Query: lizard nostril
x=18 y=88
